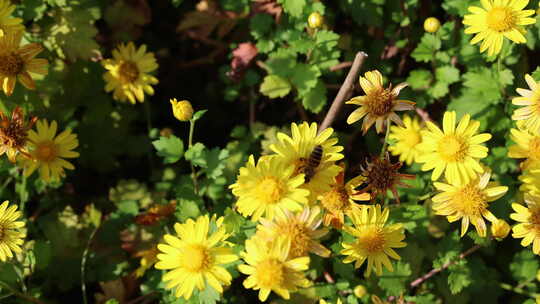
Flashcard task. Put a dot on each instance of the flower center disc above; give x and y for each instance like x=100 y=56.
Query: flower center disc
x=299 y=239
x=470 y=200
x=46 y=152
x=269 y=190
x=452 y=148
x=372 y=240
x=380 y=102
x=412 y=139
x=335 y=200
x=500 y=19
x=11 y=64
x=128 y=72
x=270 y=273
x=196 y=258
x=534 y=148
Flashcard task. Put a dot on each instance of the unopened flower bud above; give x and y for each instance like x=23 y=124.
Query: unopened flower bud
x=315 y=20
x=360 y=291
x=432 y=24
x=500 y=229
x=182 y=110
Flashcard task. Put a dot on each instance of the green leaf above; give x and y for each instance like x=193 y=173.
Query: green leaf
x=128 y=207
x=456 y=7
x=447 y=74
x=420 y=79
x=171 y=148
x=395 y=282
x=196 y=155
x=293 y=7
x=209 y=295
x=176 y=3
x=275 y=86
x=315 y=99
x=43 y=252
x=215 y=162
x=260 y=25
x=524 y=266
x=305 y=77
x=459 y=277
x=428 y=46
x=198 y=115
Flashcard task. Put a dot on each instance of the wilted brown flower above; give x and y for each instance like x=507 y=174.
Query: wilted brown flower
x=14 y=133
x=381 y=176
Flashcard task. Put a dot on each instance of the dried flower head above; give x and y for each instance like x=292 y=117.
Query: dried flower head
x=381 y=176
x=14 y=134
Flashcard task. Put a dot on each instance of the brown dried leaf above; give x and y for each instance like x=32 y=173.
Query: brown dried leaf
x=243 y=56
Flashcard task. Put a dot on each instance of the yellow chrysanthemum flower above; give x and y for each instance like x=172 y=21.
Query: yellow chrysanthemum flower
x=379 y=104
x=269 y=268
x=495 y=20
x=195 y=256
x=468 y=202
x=322 y=301
x=530 y=181
x=268 y=188
x=454 y=150
x=528 y=227
x=527 y=146
x=17 y=62
x=374 y=241
x=182 y=110
x=11 y=238
x=7 y=23
x=296 y=151
x=48 y=151
x=339 y=201
x=500 y=229
x=14 y=134
x=301 y=230
x=128 y=71
x=528 y=116
x=408 y=139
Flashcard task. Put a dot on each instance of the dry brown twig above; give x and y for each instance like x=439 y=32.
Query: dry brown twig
x=344 y=91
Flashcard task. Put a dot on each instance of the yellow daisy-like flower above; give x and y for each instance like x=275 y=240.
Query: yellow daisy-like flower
x=14 y=134
x=527 y=146
x=322 y=301
x=468 y=202
x=495 y=20
x=453 y=150
x=195 y=256
x=528 y=227
x=17 y=62
x=530 y=181
x=379 y=104
x=374 y=241
x=528 y=116
x=340 y=199
x=301 y=230
x=7 y=23
x=269 y=268
x=268 y=188
x=297 y=150
x=128 y=71
x=48 y=151
x=11 y=238
x=408 y=139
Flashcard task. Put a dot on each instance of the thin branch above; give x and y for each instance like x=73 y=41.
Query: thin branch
x=83 y=264
x=341 y=65
x=21 y=295
x=343 y=91
x=423 y=114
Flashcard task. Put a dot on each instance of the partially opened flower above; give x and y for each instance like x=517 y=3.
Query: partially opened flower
x=270 y=268
x=268 y=188
x=528 y=116
x=11 y=237
x=527 y=146
x=528 y=218
x=195 y=256
x=128 y=73
x=530 y=181
x=379 y=104
x=468 y=202
x=300 y=229
x=374 y=242
x=454 y=151
x=17 y=62
x=496 y=20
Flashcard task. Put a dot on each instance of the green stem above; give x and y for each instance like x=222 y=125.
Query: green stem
x=22 y=191
x=148 y=131
x=385 y=143
x=20 y=295
x=190 y=143
x=518 y=290
x=83 y=264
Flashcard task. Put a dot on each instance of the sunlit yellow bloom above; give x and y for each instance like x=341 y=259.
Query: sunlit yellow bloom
x=527 y=146
x=17 y=62
x=195 y=256
x=268 y=188
x=468 y=202
x=11 y=238
x=528 y=227
x=379 y=104
x=7 y=23
x=529 y=115
x=431 y=25
x=495 y=20
x=530 y=181
x=374 y=241
x=296 y=150
x=322 y=301
x=301 y=230
x=408 y=139
x=269 y=268
x=500 y=229
x=48 y=151
x=182 y=110
x=453 y=150
x=340 y=199
x=128 y=71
